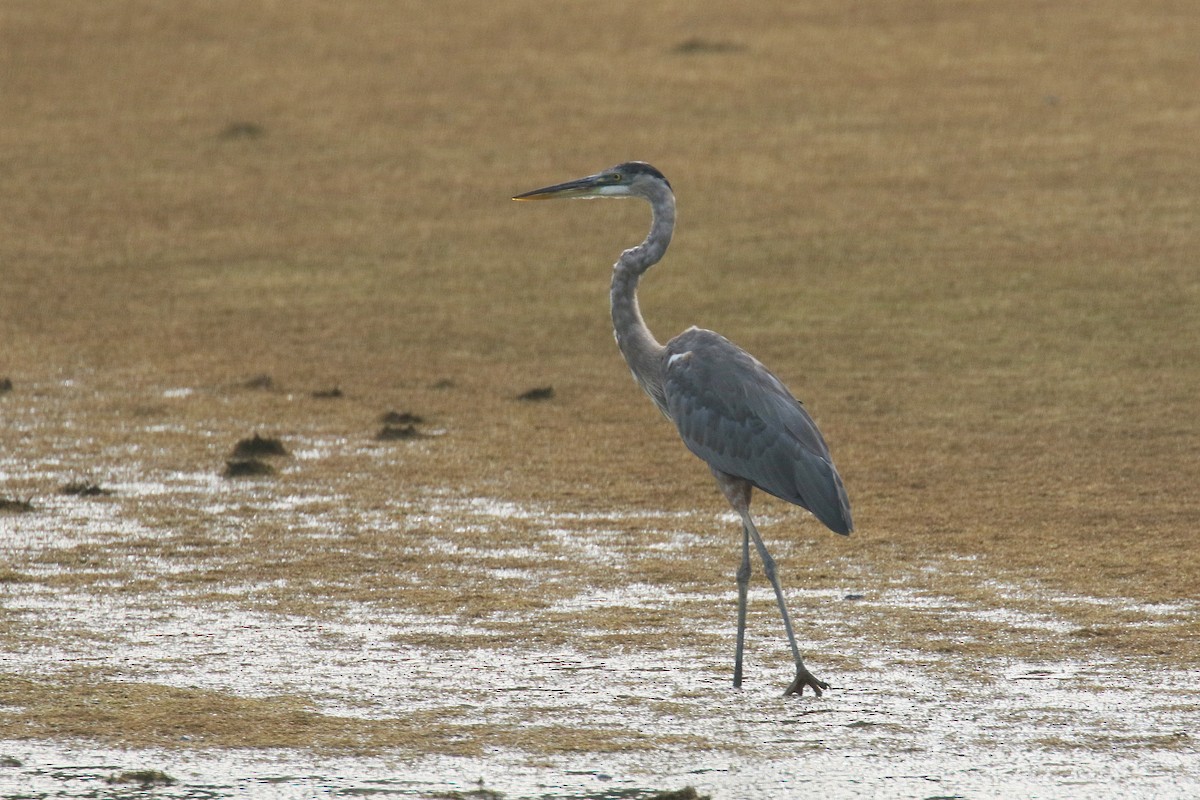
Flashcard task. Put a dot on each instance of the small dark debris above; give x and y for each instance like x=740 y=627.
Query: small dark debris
x=247 y=468
x=85 y=489
x=853 y=596
x=6 y=385
x=9 y=761
x=540 y=393
x=328 y=394
x=444 y=383
x=142 y=777
x=259 y=446
x=241 y=130
x=401 y=418
x=11 y=506
x=262 y=381
x=391 y=433
x=697 y=44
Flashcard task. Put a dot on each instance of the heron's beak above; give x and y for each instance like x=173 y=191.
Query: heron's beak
x=582 y=188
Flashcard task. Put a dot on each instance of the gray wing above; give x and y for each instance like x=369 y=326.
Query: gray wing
x=735 y=415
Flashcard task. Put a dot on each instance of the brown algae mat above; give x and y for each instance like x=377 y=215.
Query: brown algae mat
x=965 y=235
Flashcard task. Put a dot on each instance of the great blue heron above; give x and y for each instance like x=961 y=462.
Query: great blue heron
x=729 y=409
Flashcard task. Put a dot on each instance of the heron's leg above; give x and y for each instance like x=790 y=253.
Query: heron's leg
x=803 y=676
x=737 y=492
x=743 y=585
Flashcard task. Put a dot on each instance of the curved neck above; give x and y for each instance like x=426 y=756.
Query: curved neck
x=641 y=350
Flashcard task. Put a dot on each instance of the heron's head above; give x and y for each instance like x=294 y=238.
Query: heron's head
x=631 y=179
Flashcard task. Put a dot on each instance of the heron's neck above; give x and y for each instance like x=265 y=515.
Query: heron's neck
x=641 y=350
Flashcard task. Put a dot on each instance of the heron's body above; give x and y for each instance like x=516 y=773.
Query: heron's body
x=735 y=415
x=730 y=410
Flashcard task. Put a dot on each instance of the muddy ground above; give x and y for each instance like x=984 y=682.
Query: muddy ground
x=965 y=234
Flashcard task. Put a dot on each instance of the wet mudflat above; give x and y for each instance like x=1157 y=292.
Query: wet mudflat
x=964 y=235
x=438 y=638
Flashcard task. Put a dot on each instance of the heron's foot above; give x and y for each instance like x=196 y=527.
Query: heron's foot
x=805 y=678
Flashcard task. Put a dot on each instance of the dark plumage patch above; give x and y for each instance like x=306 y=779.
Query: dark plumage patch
x=642 y=168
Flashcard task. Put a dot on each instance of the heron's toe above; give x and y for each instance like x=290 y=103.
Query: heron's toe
x=805 y=678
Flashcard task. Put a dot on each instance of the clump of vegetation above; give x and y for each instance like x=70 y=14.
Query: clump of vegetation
x=259 y=446
x=242 y=130
x=698 y=45
x=85 y=489
x=261 y=381
x=145 y=778
x=537 y=393
x=246 y=461
x=401 y=418
x=328 y=394
x=400 y=425
x=393 y=432
x=247 y=468
x=10 y=505
x=474 y=794
x=686 y=793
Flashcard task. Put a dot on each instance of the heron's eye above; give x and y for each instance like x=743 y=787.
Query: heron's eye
x=614 y=177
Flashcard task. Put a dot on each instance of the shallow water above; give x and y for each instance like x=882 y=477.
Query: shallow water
x=913 y=720
x=909 y=742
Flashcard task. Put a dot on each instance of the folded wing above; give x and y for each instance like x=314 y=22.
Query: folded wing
x=733 y=413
